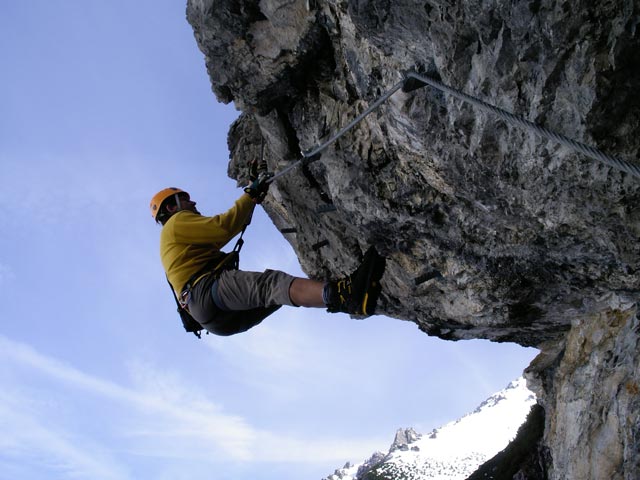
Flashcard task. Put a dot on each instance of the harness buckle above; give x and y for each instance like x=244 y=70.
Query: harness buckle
x=185 y=296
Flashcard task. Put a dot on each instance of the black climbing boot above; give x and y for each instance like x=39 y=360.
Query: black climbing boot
x=358 y=293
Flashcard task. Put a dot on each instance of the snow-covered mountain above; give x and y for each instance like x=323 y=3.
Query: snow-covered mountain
x=453 y=451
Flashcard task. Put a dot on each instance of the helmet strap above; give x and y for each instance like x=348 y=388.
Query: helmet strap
x=178 y=202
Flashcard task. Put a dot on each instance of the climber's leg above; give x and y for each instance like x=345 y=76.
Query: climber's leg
x=307 y=293
x=239 y=290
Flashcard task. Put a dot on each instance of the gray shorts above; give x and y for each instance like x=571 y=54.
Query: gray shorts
x=238 y=290
x=246 y=298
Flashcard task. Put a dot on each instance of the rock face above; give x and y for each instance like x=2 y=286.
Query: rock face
x=403 y=438
x=490 y=232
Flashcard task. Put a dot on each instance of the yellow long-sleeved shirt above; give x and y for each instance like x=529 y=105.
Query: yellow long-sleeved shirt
x=190 y=241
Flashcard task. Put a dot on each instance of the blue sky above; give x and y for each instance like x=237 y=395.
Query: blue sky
x=102 y=104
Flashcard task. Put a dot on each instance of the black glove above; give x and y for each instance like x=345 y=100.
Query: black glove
x=257 y=168
x=259 y=187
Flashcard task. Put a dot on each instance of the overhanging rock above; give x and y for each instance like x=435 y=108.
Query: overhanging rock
x=490 y=232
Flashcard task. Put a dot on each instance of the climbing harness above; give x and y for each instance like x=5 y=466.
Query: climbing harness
x=229 y=261
x=414 y=81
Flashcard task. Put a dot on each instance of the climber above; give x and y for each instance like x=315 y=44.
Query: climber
x=226 y=301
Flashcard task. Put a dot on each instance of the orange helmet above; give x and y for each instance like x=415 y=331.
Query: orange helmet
x=160 y=197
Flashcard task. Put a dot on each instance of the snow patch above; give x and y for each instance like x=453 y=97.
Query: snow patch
x=456 y=450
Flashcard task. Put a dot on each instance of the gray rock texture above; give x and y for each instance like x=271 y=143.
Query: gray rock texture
x=490 y=232
x=404 y=437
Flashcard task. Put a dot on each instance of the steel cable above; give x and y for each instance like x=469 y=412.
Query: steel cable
x=592 y=152
x=587 y=150
x=308 y=155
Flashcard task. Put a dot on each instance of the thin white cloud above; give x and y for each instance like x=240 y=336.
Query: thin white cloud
x=282 y=359
x=37 y=442
x=229 y=433
x=265 y=348
x=50 y=190
x=167 y=418
x=275 y=448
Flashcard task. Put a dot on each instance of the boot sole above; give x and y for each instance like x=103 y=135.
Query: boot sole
x=374 y=273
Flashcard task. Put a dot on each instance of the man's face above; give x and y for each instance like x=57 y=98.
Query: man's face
x=185 y=203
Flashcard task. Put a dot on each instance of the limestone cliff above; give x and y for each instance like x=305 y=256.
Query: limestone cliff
x=490 y=232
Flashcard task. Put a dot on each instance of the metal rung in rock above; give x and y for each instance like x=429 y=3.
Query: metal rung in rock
x=326 y=209
x=425 y=277
x=319 y=245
